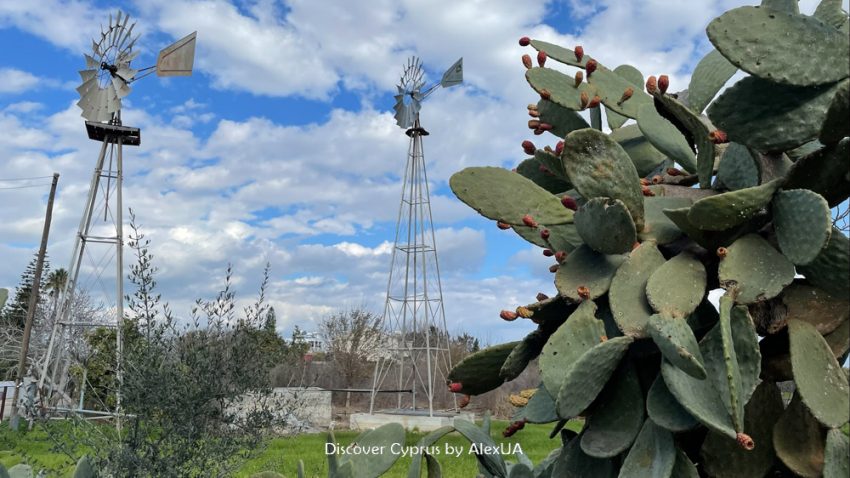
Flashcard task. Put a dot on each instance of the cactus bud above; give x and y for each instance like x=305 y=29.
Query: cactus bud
x=545 y=126
x=584 y=100
x=541 y=58
x=541 y=296
x=455 y=387
x=533 y=124
x=745 y=441
x=663 y=83
x=635 y=245
x=603 y=338
x=644 y=182
x=532 y=106
x=464 y=401
x=594 y=102
x=579 y=78
x=524 y=312
x=538 y=131
x=626 y=95
x=673 y=172
x=526 y=61
x=559 y=148
x=583 y=292
x=590 y=67
x=579 y=50
x=544 y=234
x=553 y=268
x=524 y=41
x=502 y=225
x=508 y=315
x=529 y=221
x=718 y=137
x=534 y=113
x=646 y=191
x=528 y=147
x=560 y=256
x=657 y=179
x=544 y=93
x=721 y=252
x=569 y=202
x=548 y=252
x=651 y=85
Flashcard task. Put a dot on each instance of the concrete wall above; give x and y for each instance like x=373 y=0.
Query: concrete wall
x=313 y=404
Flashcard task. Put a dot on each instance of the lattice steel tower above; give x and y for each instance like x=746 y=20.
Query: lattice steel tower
x=415 y=358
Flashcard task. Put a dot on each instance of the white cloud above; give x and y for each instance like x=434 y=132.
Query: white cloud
x=16 y=81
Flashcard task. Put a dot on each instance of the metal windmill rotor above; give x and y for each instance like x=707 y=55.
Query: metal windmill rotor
x=410 y=90
x=108 y=74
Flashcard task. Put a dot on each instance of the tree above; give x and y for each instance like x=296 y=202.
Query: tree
x=351 y=337
x=15 y=312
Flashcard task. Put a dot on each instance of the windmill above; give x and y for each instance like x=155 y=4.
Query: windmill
x=414 y=319
x=106 y=81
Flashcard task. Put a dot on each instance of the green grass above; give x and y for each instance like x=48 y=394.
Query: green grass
x=282 y=454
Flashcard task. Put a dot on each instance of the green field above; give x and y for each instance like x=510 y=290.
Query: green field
x=282 y=454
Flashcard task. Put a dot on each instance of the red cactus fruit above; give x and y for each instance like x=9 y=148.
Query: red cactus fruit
x=538 y=131
x=583 y=292
x=721 y=252
x=594 y=102
x=646 y=191
x=541 y=58
x=590 y=67
x=502 y=225
x=545 y=94
x=560 y=256
x=533 y=124
x=545 y=126
x=663 y=83
x=674 y=172
x=584 y=99
x=455 y=387
x=553 y=268
x=559 y=148
x=544 y=234
x=644 y=182
x=524 y=41
x=464 y=401
x=745 y=441
x=718 y=137
x=528 y=147
x=651 y=85
x=657 y=179
x=626 y=95
x=569 y=202
x=508 y=315
x=529 y=221
x=526 y=61
x=579 y=78
x=534 y=113
x=579 y=50
x=548 y=252
x=541 y=296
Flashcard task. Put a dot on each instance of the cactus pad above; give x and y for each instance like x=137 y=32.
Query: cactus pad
x=781 y=46
x=559 y=53
x=799 y=441
x=653 y=453
x=559 y=87
x=525 y=351
x=824 y=172
x=610 y=87
x=700 y=128
x=572 y=339
x=727 y=210
x=677 y=343
x=830 y=270
x=803 y=224
x=587 y=268
x=678 y=286
x=573 y=462
x=599 y=167
x=754 y=269
x=835 y=125
x=821 y=382
x=479 y=372
x=665 y=137
x=709 y=76
x=644 y=156
x=588 y=375
x=531 y=168
x=663 y=408
x=539 y=409
x=633 y=76
x=737 y=169
x=563 y=120
x=617 y=416
x=837 y=455
x=627 y=295
x=606 y=226
x=493 y=463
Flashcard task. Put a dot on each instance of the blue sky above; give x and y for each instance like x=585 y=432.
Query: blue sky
x=282 y=147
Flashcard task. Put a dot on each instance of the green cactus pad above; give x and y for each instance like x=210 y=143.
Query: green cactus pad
x=789 y=6
x=677 y=343
x=837 y=455
x=572 y=339
x=503 y=195
x=803 y=224
x=552 y=162
x=617 y=415
x=415 y=470
x=799 y=441
x=663 y=408
x=678 y=286
x=737 y=169
x=573 y=462
x=727 y=210
x=479 y=372
x=606 y=226
x=562 y=237
x=539 y=409
x=561 y=87
x=559 y=53
x=493 y=463
x=563 y=120
x=599 y=167
x=525 y=351
x=610 y=87
x=780 y=46
x=657 y=226
x=627 y=295
x=726 y=368
x=824 y=172
x=683 y=468
x=810 y=304
x=653 y=453
x=633 y=76
x=724 y=458
x=830 y=270
x=839 y=340
x=710 y=74
x=711 y=240
x=588 y=268
x=645 y=157
x=614 y=119
x=821 y=382
x=754 y=269
x=776 y=117
x=835 y=125
x=700 y=128
x=831 y=13
x=588 y=375
x=665 y=137
x=596 y=118
x=530 y=168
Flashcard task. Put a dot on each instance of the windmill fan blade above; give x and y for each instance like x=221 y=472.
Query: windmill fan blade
x=127 y=34
x=90 y=62
x=454 y=75
x=87 y=85
x=87 y=75
x=127 y=74
x=127 y=56
x=122 y=89
x=177 y=59
x=95 y=48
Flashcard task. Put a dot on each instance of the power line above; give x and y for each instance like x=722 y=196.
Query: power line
x=25 y=179
x=25 y=187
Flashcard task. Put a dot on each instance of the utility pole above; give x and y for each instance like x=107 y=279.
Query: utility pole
x=33 y=302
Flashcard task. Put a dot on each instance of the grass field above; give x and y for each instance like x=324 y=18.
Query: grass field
x=282 y=454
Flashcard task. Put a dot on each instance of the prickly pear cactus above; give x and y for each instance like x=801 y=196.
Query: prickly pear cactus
x=689 y=192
